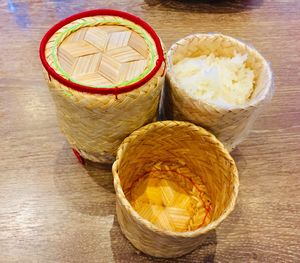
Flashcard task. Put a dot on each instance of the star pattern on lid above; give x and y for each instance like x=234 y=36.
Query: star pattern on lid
x=103 y=55
x=167 y=205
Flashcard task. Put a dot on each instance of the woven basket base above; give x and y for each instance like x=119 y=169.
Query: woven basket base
x=167 y=197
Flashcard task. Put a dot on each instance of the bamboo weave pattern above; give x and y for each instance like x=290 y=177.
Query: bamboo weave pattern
x=230 y=125
x=103 y=55
x=96 y=124
x=174 y=182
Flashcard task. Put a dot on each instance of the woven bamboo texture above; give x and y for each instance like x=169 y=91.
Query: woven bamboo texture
x=96 y=124
x=103 y=55
x=230 y=125
x=174 y=182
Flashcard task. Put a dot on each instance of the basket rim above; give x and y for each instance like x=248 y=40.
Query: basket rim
x=104 y=91
x=251 y=103
x=126 y=204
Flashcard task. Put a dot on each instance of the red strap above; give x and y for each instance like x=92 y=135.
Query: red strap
x=78 y=156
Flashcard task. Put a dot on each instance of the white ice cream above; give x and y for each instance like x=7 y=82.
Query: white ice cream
x=217 y=80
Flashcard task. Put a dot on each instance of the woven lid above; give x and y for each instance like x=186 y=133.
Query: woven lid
x=104 y=55
x=102 y=51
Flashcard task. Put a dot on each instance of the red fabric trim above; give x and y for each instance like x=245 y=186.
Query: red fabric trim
x=104 y=91
x=78 y=156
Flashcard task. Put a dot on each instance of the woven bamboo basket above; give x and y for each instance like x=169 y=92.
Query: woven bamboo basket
x=174 y=182
x=105 y=70
x=230 y=125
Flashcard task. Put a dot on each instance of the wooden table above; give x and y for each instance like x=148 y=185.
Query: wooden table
x=52 y=209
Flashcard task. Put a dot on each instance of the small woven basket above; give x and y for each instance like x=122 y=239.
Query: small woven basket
x=230 y=125
x=105 y=71
x=174 y=182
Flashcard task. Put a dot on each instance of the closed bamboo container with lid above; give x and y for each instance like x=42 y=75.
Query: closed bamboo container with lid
x=105 y=70
x=174 y=182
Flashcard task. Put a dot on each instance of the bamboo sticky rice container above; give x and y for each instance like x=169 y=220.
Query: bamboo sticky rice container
x=174 y=182
x=229 y=124
x=105 y=70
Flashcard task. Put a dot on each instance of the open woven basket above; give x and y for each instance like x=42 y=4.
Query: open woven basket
x=105 y=71
x=174 y=182
x=230 y=125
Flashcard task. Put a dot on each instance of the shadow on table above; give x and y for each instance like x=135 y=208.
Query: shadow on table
x=240 y=160
x=87 y=189
x=123 y=251
x=206 y=6
x=101 y=174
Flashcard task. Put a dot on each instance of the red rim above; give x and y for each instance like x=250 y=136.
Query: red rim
x=104 y=91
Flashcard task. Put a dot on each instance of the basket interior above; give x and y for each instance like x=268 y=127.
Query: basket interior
x=167 y=197
x=223 y=46
x=177 y=178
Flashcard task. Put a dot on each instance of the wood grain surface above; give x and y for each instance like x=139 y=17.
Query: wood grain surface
x=52 y=209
